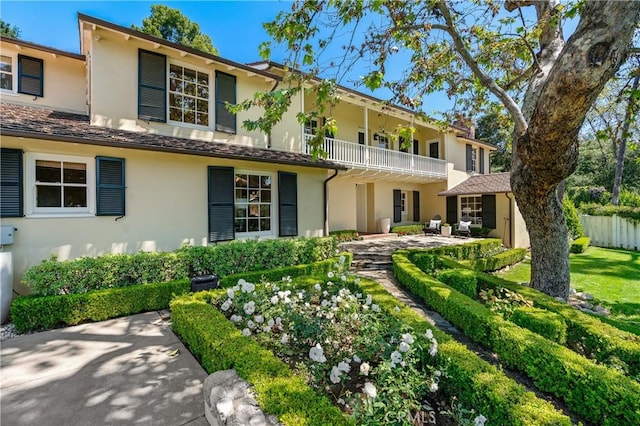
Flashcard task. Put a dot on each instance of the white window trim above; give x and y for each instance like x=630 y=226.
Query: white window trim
x=14 y=74
x=274 y=204
x=211 y=98
x=461 y=213
x=42 y=212
x=474 y=159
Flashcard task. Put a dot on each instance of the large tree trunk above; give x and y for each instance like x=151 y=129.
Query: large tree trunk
x=545 y=152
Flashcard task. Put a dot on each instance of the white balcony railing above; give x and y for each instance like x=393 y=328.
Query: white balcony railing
x=373 y=158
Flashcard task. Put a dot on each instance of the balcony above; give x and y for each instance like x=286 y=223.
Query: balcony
x=382 y=162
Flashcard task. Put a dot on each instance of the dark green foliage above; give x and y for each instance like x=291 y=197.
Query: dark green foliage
x=580 y=245
x=478 y=249
x=540 y=321
x=598 y=393
x=630 y=213
x=427 y=263
x=480 y=232
x=574 y=226
x=8 y=30
x=498 y=261
x=588 y=194
x=45 y=312
x=121 y=270
x=345 y=235
x=407 y=229
x=463 y=280
x=220 y=345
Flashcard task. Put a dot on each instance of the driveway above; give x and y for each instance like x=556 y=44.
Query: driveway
x=125 y=371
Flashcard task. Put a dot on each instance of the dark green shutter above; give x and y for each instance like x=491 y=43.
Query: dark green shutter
x=401 y=145
x=152 y=86
x=469 y=158
x=11 y=200
x=489 y=211
x=110 y=186
x=221 y=203
x=416 y=206
x=397 y=205
x=361 y=138
x=481 y=160
x=452 y=209
x=30 y=76
x=225 y=92
x=288 y=204
x=433 y=150
x=416 y=147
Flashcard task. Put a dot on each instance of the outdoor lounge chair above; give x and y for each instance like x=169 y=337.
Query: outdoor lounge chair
x=433 y=227
x=463 y=228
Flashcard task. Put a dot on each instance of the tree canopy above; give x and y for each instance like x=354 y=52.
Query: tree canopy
x=170 y=24
x=9 y=30
x=513 y=51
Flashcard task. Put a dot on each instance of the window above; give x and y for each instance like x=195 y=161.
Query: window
x=6 y=73
x=474 y=160
x=433 y=150
x=472 y=206
x=382 y=140
x=253 y=206
x=60 y=184
x=403 y=203
x=30 y=75
x=311 y=127
x=188 y=95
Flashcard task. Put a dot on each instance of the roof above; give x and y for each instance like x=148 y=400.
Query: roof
x=492 y=183
x=160 y=41
x=46 y=124
x=51 y=50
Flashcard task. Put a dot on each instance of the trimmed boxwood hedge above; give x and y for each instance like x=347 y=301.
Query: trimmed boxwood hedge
x=407 y=229
x=498 y=261
x=580 y=245
x=545 y=323
x=45 y=312
x=477 y=249
x=463 y=280
x=600 y=394
x=472 y=380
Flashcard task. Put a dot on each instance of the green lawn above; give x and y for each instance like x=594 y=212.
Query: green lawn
x=612 y=276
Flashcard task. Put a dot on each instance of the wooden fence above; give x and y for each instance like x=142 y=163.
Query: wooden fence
x=611 y=231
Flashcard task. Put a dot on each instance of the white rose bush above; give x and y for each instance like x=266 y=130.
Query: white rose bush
x=346 y=346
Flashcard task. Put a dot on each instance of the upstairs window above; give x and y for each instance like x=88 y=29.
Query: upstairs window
x=188 y=95
x=311 y=126
x=6 y=73
x=382 y=141
x=30 y=76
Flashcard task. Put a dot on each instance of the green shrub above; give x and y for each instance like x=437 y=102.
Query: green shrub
x=481 y=232
x=407 y=229
x=45 y=312
x=427 y=263
x=472 y=380
x=542 y=322
x=588 y=194
x=628 y=198
x=220 y=346
x=632 y=214
x=474 y=250
x=585 y=333
x=600 y=394
x=573 y=220
x=463 y=280
x=498 y=261
x=345 y=235
x=580 y=245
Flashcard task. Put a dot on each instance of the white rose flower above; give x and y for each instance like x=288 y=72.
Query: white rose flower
x=230 y=293
x=235 y=318
x=370 y=390
x=274 y=300
x=335 y=375
x=259 y=319
x=428 y=334
x=246 y=332
x=278 y=320
x=270 y=322
x=407 y=337
x=358 y=295
x=226 y=305
x=397 y=308
x=375 y=308
x=330 y=274
x=365 y=368
x=479 y=420
x=433 y=387
x=266 y=329
x=396 y=357
x=316 y=354
x=344 y=366
x=284 y=339
x=368 y=300
x=318 y=287
x=241 y=282
x=357 y=359
x=434 y=348
x=404 y=347
x=437 y=373
x=251 y=324
x=343 y=277
x=249 y=307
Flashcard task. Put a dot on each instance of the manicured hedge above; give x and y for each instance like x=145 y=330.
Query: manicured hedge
x=121 y=270
x=220 y=346
x=426 y=262
x=600 y=394
x=477 y=249
x=580 y=245
x=545 y=323
x=45 y=312
x=345 y=235
x=463 y=280
x=584 y=332
x=498 y=261
x=407 y=229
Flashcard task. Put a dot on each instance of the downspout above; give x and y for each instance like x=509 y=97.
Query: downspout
x=326 y=201
x=269 y=135
x=511 y=225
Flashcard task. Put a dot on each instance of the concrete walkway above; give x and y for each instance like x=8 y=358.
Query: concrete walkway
x=125 y=371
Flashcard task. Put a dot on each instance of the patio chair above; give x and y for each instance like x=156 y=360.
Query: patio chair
x=433 y=227
x=463 y=229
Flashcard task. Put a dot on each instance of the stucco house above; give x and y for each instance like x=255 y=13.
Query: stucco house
x=128 y=146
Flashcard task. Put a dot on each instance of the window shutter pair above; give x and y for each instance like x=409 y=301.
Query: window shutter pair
x=397 y=205
x=110 y=185
x=30 y=76
x=222 y=204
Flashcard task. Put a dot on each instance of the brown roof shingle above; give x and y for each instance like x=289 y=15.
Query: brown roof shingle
x=482 y=184
x=24 y=121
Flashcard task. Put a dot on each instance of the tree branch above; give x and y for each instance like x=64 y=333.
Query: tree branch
x=487 y=81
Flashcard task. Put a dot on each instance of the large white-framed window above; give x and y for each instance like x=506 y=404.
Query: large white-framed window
x=8 y=73
x=254 y=204
x=404 y=207
x=60 y=185
x=189 y=95
x=471 y=206
x=474 y=159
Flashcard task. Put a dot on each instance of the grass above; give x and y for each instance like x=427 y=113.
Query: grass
x=610 y=275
